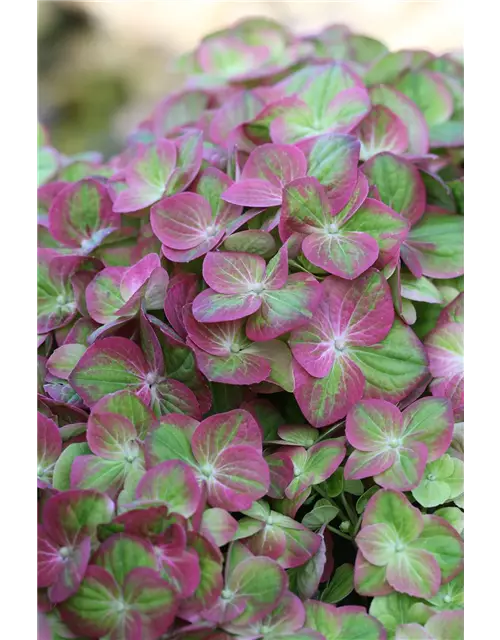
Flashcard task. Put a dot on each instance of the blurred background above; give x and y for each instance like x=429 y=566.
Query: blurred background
x=102 y=66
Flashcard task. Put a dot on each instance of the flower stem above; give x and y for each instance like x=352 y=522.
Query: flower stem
x=339 y=533
x=350 y=512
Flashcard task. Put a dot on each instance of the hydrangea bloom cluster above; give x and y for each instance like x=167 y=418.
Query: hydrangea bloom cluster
x=250 y=353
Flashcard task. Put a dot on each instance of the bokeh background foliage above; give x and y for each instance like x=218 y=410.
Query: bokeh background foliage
x=103 y=65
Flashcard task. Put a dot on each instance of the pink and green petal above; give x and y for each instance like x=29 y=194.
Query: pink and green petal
x=371 y=423
x=445 y=350
x=281 y=473
x=172 y=483
x=103 y=296
x=121 y=553
x=325 y=400
x=382 y=224
x=399 y=184
x=283 y=310
x=378 y=543
x=446 y=624
x=255 y=241
x=239 y=368
x=370 y=580
x=92 y=610
x=138 y=275
x=260 y=582
x=99 y=474
x=189 y=158
x=109 y=365
x=171 y=396
x=218 y=525
x=130 y=407
x=411 y=631
x=182 y=221
x=429 y=420
x=268 y=540
x=305 y=209
x=429 y=92
x=444 y=543
x=217 y=433
x=407 y=470
x=74 y=514
x=364 y=464
x=356 y=622
x=288 y=617
x=182 y=290
x=171 y=440
x=188 y=255
x=275 y=163
x=152 y=599
x=381 y=131
x=392 y=507
x=253 y=192
x=233 y=273
x=56 y=305
x=343 y=254
x=63 y=360
x=436 y=244
x=408 y=112
x=243 y=107
x=346 y=110
x=109 y=435
x=62 y=569
x=211 y=580
x=321 y=462
x=81 y=215
x=395 y=366
x=333 y=160
x=415 y=572
x=236 y=478
x=279 y=358
x=49 y=447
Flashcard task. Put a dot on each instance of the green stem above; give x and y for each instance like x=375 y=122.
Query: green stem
x=350 y=512
x=322 y=493
x=339 y=533
x=357 y=527
x=331 y=430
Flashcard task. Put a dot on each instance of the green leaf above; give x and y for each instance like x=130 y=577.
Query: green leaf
x=457 y=188
x=323 y=513
x=363 y=499
x=302 y=436
x=354 y=487
x=340 y=586
x=334 y=485
x=225 y=397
